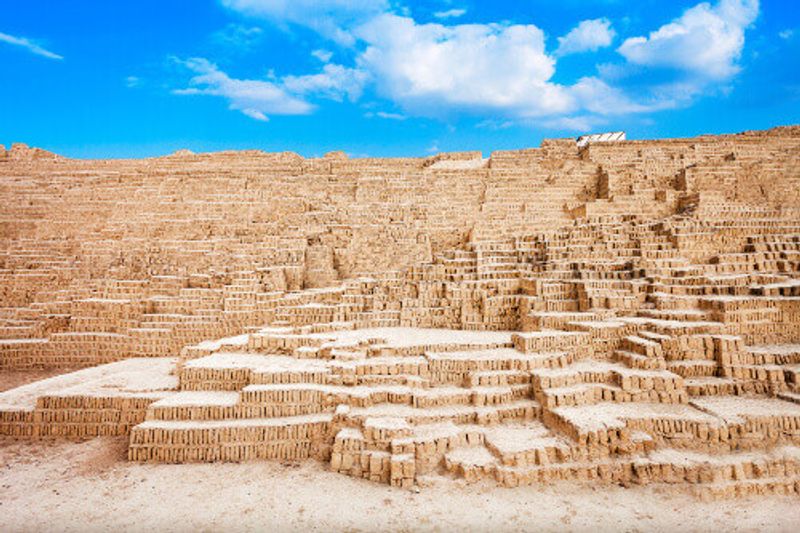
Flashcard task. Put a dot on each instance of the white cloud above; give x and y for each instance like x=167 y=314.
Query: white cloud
x=589 y=35
x=602 y=99
x=706 y=40
x=238 y=36
x=29 y=45
x=255 y=114
x=390 y=116
x=430 y=68
x=497 y=70
x=322 y=55
x=334 y=82
x=330 y=18
x=386 y=115
x=133 y=81
x=786 y=34
x=285 y=96
x=450 y=13
x=255 y=98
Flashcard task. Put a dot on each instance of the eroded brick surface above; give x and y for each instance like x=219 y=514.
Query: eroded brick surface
x=626 y=312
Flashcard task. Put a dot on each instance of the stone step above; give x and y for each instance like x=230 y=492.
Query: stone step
x=180 y=441
x=542 y=320
x=456 y=367
x=567 y=467
x=611 y=424
x=526 y=444
x=378 y=380
x=642 y=346
x=350 y=457
x=687 y=315
x=550 y=341
x=329 y=396
x=226 y=371
x=682 y=327
x=472 y=463
x=711 y=386
x=498 y=395
x=498 y=377
x=588 y=394
x=694 y=368
x=602 y=372
x=638 y=361
x=196 y=405
x=581 y=372
x=652 y=336
x=383 y=365
x=675 y=302
x=781 y=354
x=525 y=409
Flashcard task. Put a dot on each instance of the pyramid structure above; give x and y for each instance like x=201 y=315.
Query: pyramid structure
x=625 y=312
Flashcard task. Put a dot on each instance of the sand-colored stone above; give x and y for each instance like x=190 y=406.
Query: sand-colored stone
x=621 y=313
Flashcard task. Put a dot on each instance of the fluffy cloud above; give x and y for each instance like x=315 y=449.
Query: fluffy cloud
x=498 y=70
x=706 y=40
x=29 y=45
x=255 y=98
x=431 y=68
x=598 y=97
x=331 y=18
x=334 y=82
x=238 y=36
x=589 y=35
x=286 y=96
x=322 y=55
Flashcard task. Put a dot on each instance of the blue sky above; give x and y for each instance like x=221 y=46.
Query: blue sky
x=90 y=78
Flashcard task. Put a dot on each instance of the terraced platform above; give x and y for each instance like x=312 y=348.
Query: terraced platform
x=644 y=330
x=401 y=404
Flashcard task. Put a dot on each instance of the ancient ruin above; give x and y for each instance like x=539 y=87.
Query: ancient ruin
x=623 y=312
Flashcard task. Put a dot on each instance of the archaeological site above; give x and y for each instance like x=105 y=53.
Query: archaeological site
x=620 y=312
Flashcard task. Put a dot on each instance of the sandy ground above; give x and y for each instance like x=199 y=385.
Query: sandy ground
x=87 y=487
x=11 y=379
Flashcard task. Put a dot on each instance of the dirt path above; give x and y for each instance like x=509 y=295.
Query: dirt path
x=88 y=487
